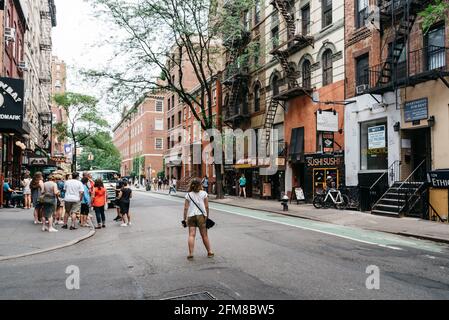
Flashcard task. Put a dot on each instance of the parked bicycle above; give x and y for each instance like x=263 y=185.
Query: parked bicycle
x=332 y=197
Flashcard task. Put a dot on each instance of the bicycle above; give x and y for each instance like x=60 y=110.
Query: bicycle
x=326 y=200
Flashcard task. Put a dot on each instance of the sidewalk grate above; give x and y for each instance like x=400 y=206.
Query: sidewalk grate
x=194 y=296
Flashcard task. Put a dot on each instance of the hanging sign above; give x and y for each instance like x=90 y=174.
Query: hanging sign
x=11 y=103
x=416 y=110
x=327 y=121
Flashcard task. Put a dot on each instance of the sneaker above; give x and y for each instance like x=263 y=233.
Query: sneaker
x=73 y=228
x=60 y=222
x=123 y=225
x=52 y=230
x=36 y=222
x=103 y=226
x=98 y=227
x=44 y=229
x=129 y=223
x=64 y=226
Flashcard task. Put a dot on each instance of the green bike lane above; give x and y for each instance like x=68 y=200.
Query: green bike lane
x=376 y=238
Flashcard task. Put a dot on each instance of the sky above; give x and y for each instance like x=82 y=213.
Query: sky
x=78 y=40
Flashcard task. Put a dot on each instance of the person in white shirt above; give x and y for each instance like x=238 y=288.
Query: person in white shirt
x=74 y=191
x=196 y=213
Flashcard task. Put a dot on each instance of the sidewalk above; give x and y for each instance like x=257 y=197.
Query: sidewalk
x=19 y=237
x=411 y=227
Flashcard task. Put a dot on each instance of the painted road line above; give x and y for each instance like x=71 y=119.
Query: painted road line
x=370 y=237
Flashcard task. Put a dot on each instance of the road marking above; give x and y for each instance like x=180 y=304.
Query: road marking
x=375 y=238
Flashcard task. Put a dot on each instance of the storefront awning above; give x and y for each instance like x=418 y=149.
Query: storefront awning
x=296 y=152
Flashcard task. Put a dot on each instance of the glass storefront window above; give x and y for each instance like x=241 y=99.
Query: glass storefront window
x=374 y=145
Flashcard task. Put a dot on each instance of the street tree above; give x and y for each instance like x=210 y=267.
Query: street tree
x=105 y=154
x=160 y=36
x=435 y=12
x=83 y=120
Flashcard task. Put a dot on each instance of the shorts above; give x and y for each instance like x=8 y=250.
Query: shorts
x=72 y=207
x=84 y=209
x=197 y=221
x=60 y=203
x=124 y=207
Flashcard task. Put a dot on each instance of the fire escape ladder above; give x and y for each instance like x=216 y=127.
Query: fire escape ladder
x=282 y=6
x=233 y=96
x=270 y=116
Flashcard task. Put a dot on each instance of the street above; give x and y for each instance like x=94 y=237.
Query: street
x=257 y=256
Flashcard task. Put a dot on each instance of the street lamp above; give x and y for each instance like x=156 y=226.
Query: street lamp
x=90 y=158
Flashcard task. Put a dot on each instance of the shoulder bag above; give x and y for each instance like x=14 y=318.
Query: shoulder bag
x=209 y=222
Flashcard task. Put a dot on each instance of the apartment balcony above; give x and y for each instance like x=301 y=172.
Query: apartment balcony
x=239 y=40
x=429 y=63
x=235 y=73
x=395 y=9
x=237 y=114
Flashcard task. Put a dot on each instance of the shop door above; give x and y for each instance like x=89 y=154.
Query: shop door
x=421 y=151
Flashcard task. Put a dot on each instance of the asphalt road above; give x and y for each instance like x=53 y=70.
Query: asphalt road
x=258 y=256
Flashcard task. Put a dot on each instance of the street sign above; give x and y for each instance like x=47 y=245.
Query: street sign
x=439 y=179
x=416 y=110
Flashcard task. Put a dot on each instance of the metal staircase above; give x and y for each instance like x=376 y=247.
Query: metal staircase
x=270 y=116
x=402 y=198
x=402 y=15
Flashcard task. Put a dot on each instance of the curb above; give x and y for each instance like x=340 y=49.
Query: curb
x=68 y=244
x=404 y=234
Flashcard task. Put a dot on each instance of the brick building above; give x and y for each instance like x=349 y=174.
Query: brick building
x=58 y=85
x=140 y=136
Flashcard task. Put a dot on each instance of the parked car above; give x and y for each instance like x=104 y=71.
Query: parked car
x=109 y=180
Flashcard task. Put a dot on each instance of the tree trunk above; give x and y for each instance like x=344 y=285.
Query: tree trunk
x=74 y=158
x=219 y=182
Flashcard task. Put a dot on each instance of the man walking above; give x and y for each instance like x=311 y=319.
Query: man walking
x=205 y=183
x=74 y=191
x=173 y=186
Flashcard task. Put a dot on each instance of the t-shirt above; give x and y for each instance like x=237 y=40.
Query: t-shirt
x=60 y=185
x=205 y=183
x=86 y=195
x=242 y=181
x=199 y=199
x=72 y=190
x=126 y=195
x=6 y=187
x=99 y=197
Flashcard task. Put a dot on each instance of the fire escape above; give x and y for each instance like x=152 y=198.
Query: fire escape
x=404 y=67
x=296 y=41
x=236 y=77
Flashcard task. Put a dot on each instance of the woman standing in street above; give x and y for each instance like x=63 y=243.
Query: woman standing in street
x=99 y=201
x=85 y=203
x=37 y=187
x=242 y=184
x=50 y=193
x=196 y=212
x=124 y=202
x=27 y=191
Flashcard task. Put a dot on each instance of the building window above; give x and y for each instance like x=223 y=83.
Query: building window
x=275 y=37
x=256 y=11
x=159 y=106
x=173 y=102
x=159 y=144
x=306 y=74
x=326 y=8
x=362 y=12
x=362 y=65
x=168 y=142
x=168 y=123
x=172 y=121
x=257 y=97
x=246 y=19
x=327 y=67
x=179 y=117
x=169 y=104
x=159 y=124
x=256 y=54
x=435 y=48
x=305 y=20
x=275 y=85
x=374 y=145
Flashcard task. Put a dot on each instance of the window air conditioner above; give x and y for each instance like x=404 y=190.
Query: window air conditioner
x=10 y=34
x=23 y=66
x=361 y=89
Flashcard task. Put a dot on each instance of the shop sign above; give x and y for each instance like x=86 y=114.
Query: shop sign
x=11 y=103
x=416 y=110
x=327 y=121
x=38 y=161
x=328 y=142
x=376 y=137
x=439 y=179
x=61 y=159
x=324 y=161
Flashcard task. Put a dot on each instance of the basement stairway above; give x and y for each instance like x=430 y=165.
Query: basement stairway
x=400 y=199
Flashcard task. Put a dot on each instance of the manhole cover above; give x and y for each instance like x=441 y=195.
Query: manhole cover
x=194 y=296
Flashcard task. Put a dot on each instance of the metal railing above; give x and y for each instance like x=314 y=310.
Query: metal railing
x=378 y=190
x=412 y=198
x=421 y=62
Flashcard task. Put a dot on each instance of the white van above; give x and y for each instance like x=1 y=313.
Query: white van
x=109 y=180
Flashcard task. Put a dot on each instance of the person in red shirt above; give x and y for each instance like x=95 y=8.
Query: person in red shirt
x=99 y=201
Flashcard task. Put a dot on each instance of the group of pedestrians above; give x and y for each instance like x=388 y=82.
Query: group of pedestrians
x=65 y=197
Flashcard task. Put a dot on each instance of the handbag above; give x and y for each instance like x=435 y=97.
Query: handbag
x=46 y=199
x=209 y=222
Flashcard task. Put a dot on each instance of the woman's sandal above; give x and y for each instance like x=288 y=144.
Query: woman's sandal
x=189 y=257
x=210 y=255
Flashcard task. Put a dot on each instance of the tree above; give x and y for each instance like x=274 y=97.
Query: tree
x=106 y=155
x=437 y=11
x=162 y=35
x=83 y=119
